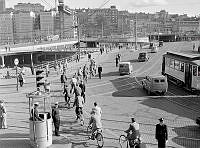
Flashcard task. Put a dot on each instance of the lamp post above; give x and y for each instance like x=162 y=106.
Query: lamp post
x=16 y=62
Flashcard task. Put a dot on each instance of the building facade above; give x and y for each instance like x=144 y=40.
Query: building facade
x=23 y=27
x=29 y=7
x=47 y=24
x=2 y=5
x=6 y=28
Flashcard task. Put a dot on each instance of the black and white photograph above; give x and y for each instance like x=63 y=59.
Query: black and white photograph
x=99 y=74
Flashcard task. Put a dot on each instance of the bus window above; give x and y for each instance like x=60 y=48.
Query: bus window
x=198 y=70
x=194 y=70
x=182 y=67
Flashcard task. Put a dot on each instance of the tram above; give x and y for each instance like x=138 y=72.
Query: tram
x=183 y=69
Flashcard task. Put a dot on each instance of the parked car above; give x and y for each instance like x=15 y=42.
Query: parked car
x=125 y=68
x=198 y=121
x=143 y=56
x=155 y=84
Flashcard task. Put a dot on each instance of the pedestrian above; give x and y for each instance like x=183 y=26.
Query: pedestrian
x=82 y=86
x=161 y=134
x=99 y=71
x=47 y=70
x=21 y=79
x=67 y=94
x=117 y=61
x=89 y=56
x=47 y=86
x=79 y=101
x=97 y=109
x=85 y=73
x=119 y=56
x=63 y=79
x=35 y=114
x=56 y=118
x=3 y=121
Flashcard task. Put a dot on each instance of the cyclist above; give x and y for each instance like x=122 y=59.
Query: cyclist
x=95 y=123
x=133 y=132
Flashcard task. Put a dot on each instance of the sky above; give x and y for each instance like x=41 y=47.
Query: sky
x=190 y=7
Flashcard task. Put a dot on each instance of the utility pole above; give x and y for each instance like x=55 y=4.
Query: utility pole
x=102 y=29
x=78 y=34
x=135 y=31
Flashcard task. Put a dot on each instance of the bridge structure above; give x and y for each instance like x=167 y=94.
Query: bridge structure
x=30 y=55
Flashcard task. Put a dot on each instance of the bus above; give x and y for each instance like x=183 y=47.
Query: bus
x=183 y=69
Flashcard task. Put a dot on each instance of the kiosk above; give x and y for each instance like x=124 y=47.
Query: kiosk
x=40 y=131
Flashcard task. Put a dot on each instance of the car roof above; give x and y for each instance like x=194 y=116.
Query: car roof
x=156 y=76
x=125 y=63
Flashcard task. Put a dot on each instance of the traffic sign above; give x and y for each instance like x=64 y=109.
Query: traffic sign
x=16 y=61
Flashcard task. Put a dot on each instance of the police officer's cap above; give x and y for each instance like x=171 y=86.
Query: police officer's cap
x=36 y=103
x=161 y=119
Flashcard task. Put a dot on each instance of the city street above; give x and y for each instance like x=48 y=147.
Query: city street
x=120 y=98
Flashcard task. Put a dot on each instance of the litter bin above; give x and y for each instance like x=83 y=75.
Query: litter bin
x=41 y=131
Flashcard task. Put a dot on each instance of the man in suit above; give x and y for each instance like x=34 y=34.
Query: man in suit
x=56 y=118
x=161 y=134
x=99 y=71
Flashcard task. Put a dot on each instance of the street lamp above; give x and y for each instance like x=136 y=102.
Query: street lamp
x=16 y=62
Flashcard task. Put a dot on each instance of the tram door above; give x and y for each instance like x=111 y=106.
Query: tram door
x=188 y=75
x=163 y=66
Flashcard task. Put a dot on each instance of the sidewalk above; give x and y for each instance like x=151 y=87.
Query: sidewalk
x=17 y=134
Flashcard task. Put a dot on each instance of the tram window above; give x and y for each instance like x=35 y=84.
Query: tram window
x=176 y=64
x=167 y=62
x=198 y=70
x=194 y=70
x=182 y=67
x=172 y=63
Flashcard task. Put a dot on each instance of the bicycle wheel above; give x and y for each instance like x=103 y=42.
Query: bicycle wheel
x=88 y=132
x=99 y=138
x=123 y=141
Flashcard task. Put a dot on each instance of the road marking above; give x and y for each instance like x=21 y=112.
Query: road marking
x=99 y=83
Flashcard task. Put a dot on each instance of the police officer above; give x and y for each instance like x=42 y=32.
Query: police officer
x=161 y=134
x=99 y=71
x=56 y=118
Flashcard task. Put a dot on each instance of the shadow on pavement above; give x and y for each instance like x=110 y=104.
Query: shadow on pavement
x=127 y=87
x=116 y=73
x=14 y=135
x=187 y=136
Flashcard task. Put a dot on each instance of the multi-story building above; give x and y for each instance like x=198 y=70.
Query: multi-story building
x=6 y=28
x=29 y=7
x=24 y=27
x=123 y=22
x=2 y=5
x=47 y=24
x=100 y=22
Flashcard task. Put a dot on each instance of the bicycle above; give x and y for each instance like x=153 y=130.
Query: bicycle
x=129 y=143
x=97 y=136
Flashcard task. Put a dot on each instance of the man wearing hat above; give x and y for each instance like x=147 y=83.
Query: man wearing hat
x=34 y=113
x=133 y=131
x=161 y=133
x=95 y=122
x=56 y=118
